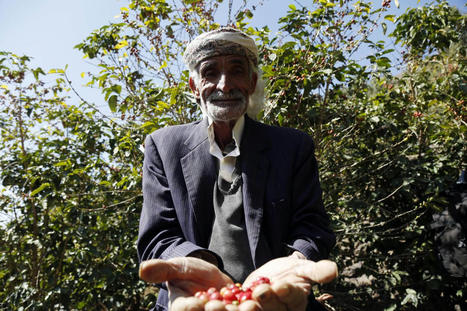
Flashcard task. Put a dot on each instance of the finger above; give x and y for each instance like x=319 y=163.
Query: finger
x=158 y=271
x=323 y=271
x=177 y=304
x=268 y=300
x=323 y=297
x=185 y=287
x=294 y=297
x=182 y=268
x=186 y=304
x=231 y=307
x=249 y=305
x=194 y=304
x=175 y=291
x=214 y=305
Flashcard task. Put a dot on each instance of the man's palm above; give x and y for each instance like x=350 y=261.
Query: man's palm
x=291 y=280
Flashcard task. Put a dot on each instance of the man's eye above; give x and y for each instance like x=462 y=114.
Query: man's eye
x=238 y=71
x=209 y=73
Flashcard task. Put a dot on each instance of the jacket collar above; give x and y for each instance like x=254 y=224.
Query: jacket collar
x=198 y=135
x=252 y=138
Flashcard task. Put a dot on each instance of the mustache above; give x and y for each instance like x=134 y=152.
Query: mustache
x=219 y=95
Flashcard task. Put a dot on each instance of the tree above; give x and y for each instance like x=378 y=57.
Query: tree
x=397 y=144
x=71 y=193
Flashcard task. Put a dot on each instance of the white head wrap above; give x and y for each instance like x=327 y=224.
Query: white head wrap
x=222 y=41
x=227 y=41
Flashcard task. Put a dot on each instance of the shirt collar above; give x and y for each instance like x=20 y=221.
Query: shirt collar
x=237 y=132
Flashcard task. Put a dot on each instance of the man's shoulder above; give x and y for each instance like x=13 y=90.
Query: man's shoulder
x=176 y=132
x=279 y=132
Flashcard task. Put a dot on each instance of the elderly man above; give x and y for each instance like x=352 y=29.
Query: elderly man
x=228 y=198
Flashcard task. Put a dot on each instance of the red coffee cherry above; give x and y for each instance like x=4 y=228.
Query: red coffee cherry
x=231 y=294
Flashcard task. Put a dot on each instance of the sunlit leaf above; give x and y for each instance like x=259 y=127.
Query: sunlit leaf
x=39 y=189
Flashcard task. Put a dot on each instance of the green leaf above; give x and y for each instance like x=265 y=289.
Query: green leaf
x=164 y=65
x=340 y=76
x=81 y=304
x=385 y=28
x=56 y=71
x=62 y=163
x=411 y=297
x=39 y=189
x=162 y=105
x=36 y=73
x=113 y=103
x=117 y=88
x=390 y=18
x=121 y=44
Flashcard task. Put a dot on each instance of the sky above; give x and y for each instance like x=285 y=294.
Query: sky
x=47 y=30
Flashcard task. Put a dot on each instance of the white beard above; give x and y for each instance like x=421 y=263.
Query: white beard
x=224 y=113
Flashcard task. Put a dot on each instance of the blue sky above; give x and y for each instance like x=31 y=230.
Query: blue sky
x=47 y=30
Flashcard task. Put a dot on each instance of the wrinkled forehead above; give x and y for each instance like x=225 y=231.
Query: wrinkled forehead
x=220 y=42
x=224 y=61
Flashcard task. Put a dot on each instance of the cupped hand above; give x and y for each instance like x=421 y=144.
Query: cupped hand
x=291 y=282
x=184 y=276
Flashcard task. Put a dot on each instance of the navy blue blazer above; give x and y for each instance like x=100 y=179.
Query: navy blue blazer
x=281 y=193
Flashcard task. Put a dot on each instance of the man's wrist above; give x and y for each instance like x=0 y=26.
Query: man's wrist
x=298 y=255
x=206 y=256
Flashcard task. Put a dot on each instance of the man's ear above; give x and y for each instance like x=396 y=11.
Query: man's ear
x=254 y=80
x=193 y=87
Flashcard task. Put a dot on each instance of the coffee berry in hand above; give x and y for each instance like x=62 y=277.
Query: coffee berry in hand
x=232 y=294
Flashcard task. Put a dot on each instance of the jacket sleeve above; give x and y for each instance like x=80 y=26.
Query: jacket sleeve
x=309 y=232
x=160 y=234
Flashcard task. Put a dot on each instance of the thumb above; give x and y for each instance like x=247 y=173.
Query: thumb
x=182 y=268
x=159 y=271
x=323 y=271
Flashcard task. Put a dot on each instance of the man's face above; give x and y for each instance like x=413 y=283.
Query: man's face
x=224 y=86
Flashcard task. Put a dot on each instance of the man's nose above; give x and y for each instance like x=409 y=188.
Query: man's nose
x=224 y=83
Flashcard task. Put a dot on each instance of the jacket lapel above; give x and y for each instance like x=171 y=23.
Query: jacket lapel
x=199 y=172
x=255 y=167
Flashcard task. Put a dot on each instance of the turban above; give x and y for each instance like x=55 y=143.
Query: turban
x=222 y=41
